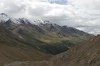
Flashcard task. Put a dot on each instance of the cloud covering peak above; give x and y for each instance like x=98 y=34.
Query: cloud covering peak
x=81 y=14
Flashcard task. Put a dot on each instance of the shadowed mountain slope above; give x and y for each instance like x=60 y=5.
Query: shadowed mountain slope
x=13 y=49
x=87 y=54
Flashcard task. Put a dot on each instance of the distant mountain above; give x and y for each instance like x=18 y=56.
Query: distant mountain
x=43 y=35
x=87 y=54
x=37 y=35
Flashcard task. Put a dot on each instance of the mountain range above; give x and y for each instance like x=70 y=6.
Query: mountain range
x=26 y=40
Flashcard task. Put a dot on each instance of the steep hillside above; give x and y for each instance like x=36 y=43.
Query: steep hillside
x=13 y=49
x=43 y=35
x=87 y=54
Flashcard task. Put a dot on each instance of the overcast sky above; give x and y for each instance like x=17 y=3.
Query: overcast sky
x=81 y=14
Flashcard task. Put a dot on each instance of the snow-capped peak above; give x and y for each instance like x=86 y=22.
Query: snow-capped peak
x=40 y=21
x=3 y=14
x=23 y=21
x=3 y=17
x=46 y=22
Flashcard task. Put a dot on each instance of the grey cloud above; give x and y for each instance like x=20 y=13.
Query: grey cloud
x=83 y=13
x=92 y=30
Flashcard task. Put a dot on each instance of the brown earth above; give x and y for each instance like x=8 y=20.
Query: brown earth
x=10 y=54
x=87 y=54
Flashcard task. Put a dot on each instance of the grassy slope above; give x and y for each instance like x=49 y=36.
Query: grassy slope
x=51 y=42
x=87 y=54
x=13 y=49
x=9 y=54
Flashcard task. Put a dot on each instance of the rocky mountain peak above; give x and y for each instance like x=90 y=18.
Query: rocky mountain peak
x=3 y=14
x=41 y=22
x=3 y=17
x=23 y=21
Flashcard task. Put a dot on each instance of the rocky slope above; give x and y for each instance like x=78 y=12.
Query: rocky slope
x=87 y=54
